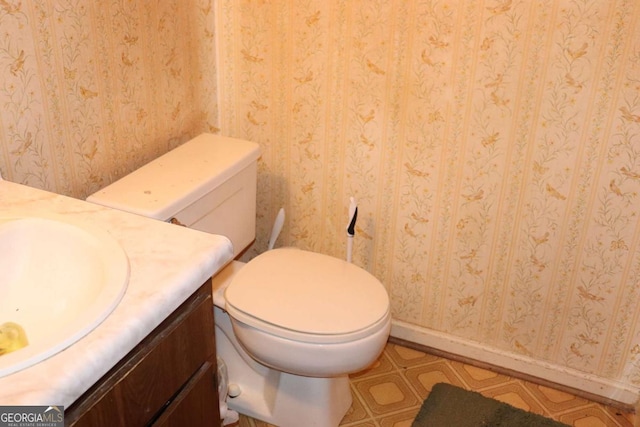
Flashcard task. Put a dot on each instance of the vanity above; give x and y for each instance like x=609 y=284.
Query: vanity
x=152 y=360
x=159 y=383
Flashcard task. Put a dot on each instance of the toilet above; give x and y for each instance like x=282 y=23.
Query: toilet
x=291 y=325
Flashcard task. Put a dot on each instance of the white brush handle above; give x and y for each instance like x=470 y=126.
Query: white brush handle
x=277 y=227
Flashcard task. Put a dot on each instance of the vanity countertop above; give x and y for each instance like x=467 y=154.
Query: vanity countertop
x=167 y=264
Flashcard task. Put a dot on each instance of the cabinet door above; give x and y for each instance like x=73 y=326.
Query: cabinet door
x=195 y=405
x=148 y=379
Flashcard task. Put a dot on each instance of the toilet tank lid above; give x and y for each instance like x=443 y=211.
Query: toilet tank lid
x=173 y=181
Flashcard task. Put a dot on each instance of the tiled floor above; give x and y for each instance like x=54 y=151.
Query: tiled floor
x=390 y=393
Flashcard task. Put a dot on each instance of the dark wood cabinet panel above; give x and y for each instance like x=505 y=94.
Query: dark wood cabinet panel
x=195 y=405
x=169 y=377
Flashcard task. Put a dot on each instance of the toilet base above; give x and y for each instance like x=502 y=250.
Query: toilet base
x=279 y=398
x=323 y=402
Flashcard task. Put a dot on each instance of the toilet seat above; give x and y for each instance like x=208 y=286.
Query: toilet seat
x=309 y=297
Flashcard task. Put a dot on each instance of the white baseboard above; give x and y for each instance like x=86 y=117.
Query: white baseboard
x=607 y=390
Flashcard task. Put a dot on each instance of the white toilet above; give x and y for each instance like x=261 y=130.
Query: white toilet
x=290 y=324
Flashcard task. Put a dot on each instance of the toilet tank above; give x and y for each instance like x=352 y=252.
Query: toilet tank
x=207 y=183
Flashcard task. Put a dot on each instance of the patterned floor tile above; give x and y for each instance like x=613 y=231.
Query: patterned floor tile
x=390 y=393
x=593 y=415
x=423 y=378
x=361 y=424
x=357 y=412
x=386 y=394
x=477 y=378
x=403 y=419
x=404 y=357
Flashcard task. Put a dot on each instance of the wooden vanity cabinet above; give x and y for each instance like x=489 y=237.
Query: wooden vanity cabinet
x=169 y=379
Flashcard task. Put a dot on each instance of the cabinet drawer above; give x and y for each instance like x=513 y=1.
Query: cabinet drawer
x=137 y=389
x=195 y=405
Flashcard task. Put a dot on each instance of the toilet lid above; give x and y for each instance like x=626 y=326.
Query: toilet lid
x=306 y=293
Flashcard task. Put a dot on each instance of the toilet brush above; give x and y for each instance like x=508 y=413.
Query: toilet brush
x=277 y=227
x=351 y=228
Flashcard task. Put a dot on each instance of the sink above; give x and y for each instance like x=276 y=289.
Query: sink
x=58 y=281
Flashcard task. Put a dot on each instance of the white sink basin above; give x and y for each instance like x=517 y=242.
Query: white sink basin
x=58 y=281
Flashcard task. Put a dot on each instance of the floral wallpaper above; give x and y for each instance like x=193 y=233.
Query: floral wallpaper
x=91 y=90
x=492 y=146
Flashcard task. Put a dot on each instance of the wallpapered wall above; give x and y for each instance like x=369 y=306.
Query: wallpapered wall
x=90 y=90
x=492 y=145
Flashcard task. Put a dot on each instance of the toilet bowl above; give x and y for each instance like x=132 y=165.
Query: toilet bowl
x=290 y=324
x=307 y=313
x=286 y=375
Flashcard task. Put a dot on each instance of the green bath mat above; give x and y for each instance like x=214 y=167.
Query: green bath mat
x=448 y=406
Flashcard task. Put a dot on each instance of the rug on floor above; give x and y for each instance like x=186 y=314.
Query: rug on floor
x=448 y=405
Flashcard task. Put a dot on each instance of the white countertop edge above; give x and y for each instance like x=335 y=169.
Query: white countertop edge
x=168 y=263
